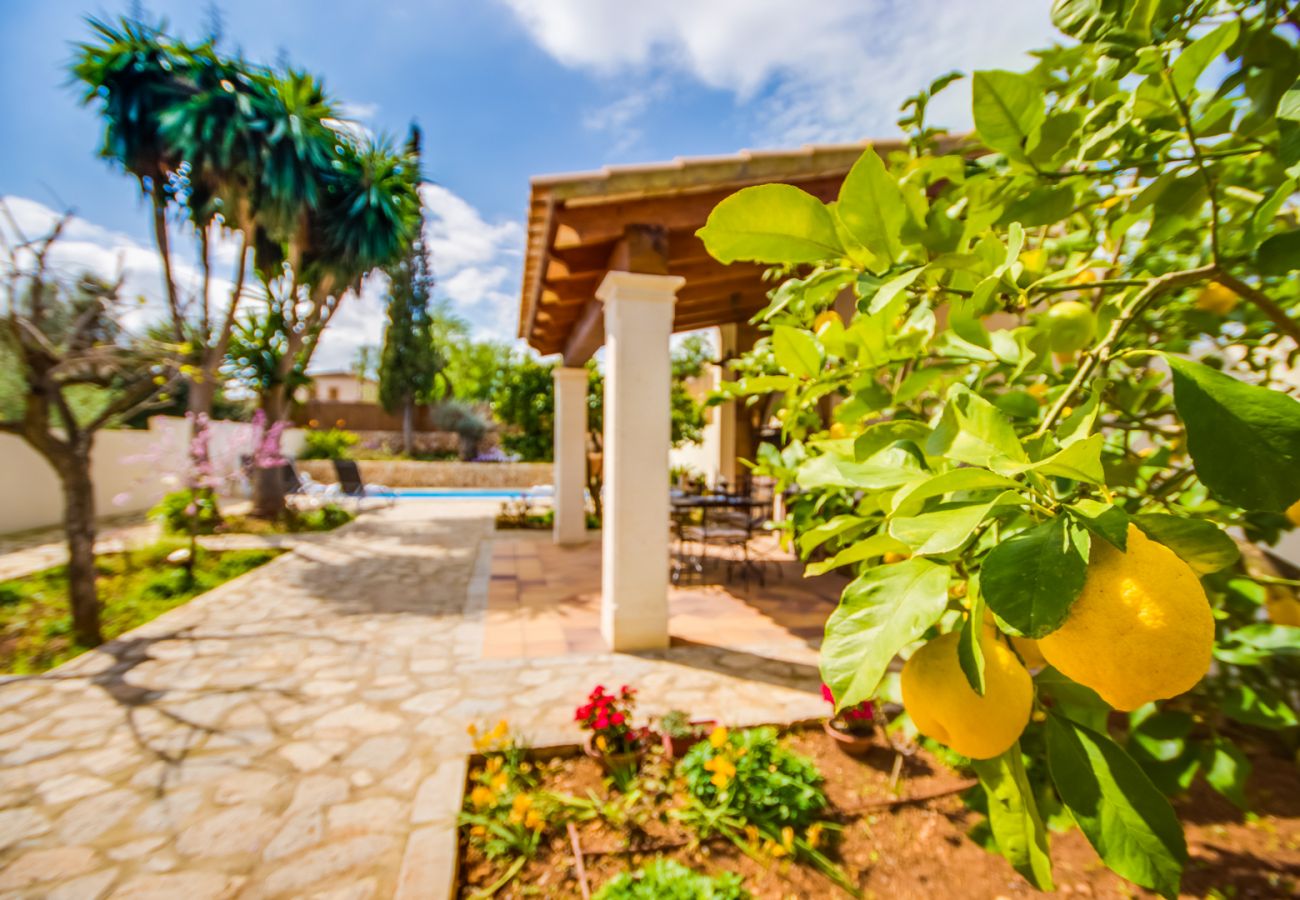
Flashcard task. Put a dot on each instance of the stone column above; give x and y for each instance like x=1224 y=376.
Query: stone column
x=638 y=378
x=570 y=466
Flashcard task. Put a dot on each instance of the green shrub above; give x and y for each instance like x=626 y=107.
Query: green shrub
x=664 y=879
x=323 y=518
x=335 y=443
x=755 y=779
x=182 y=510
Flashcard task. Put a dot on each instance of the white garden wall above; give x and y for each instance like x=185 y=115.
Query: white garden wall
x=131 y=470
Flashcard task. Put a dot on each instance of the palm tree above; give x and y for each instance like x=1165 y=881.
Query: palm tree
x=219 y=131
x=136 y=73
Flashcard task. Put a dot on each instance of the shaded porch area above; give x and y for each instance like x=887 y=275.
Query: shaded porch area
x=544 y=600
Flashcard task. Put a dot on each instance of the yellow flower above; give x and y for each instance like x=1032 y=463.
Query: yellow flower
x=533 y=820
x=499 y=781
x=815 y=833
x=601 y=744
x=494 y=764
x=478 y=831
x=776 y=850
x=719 y=780
x=500 y=729
x=787 y=838
x=481 y=796
x=521 y=803
x=751 y=832
x=718 y=737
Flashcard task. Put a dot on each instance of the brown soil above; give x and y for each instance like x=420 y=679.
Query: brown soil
x=895 y=845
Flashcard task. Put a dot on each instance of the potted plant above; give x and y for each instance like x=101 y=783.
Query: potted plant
x=607 y=719
x=679 y=732
x=852 y=728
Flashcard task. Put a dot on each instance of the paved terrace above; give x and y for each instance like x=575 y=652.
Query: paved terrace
x=300 y=731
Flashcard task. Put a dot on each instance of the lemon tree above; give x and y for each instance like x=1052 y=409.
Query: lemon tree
x=1027 y=379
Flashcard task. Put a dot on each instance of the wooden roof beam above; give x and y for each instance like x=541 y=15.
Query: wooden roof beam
x=642 y=248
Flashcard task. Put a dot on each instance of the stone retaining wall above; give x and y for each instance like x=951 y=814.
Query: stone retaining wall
x=399 y=473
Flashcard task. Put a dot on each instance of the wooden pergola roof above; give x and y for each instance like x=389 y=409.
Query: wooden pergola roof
x=644 y=218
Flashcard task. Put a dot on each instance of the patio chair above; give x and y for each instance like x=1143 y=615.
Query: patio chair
x=732 y=530
x=353 y=487
x=301 y=486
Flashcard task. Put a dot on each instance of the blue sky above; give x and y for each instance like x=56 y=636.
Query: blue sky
x=506 y=89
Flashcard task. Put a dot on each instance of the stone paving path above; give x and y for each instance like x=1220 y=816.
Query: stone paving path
x=300 y=731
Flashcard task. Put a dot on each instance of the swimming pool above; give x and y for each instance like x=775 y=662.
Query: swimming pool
x=459 y=493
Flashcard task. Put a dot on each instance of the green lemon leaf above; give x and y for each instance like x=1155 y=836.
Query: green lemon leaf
x=1244 y=440
x=970 y=653
x=882 y=611
x=1201 y=544
x=890 y=470
x=1280 y=254
x=944 y=530
x=796 y=351
x=1031 y=579
x=819 y=534
x=871 y=207
x=1008 y=109
x=879 y=436
x=1122 y=814
x=1258 y=706
x=1108 y=522
x=876 y=545
x=1080 y=461
x=1071 y=699
x=1013 y=816
x=909 y=500
x=1193 y=61
x=771 y=223
x=1226 y=770
x=891 y=289
x=973 y=430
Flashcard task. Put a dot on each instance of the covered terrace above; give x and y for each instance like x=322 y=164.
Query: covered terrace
x=612 y=259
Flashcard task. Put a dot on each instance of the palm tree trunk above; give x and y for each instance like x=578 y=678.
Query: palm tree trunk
x=79 y=526
x=203 y=390
x=159 y=198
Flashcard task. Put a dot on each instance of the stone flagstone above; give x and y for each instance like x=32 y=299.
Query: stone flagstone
x=301 y=730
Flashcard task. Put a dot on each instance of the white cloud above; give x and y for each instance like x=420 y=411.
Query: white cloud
x=829 y=70
x=619 y=118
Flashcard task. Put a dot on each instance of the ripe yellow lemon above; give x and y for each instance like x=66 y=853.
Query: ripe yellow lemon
x=1293 y=513
x=838 y=430
x=1071 y=326
x=825 y=319
x=1140 y=630
x=943 y=706
x=1217 y=298
x=1029 y=652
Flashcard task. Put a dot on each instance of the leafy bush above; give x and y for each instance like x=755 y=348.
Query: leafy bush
x=464 y=421
x=750 y=775
x=665 y=879
x=322 y=518
x=335 y=443
x=182 y=510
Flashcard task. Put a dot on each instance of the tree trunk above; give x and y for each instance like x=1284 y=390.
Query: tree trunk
x=159 y=198
x=268 y=486
x=79 y=526
x=408 y=413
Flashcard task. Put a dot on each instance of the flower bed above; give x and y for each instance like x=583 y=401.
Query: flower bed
x=914 y=831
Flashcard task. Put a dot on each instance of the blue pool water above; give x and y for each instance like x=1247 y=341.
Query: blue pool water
x=459 y=493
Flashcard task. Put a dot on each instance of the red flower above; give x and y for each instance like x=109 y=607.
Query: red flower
x=826 y=693
x=602 y=722
x=617 y=718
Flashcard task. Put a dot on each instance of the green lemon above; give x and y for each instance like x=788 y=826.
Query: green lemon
x=1071 y=326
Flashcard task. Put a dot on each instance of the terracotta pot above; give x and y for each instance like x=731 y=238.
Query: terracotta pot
x=853 y=744
x=611 y=761
x=676 y=747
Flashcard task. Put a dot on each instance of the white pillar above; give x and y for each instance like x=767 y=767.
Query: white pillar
x=570 y=466
x=638 y=379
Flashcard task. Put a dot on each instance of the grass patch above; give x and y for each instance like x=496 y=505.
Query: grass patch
x=134 y=587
